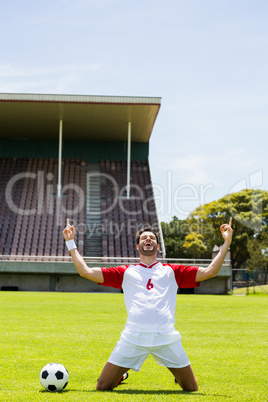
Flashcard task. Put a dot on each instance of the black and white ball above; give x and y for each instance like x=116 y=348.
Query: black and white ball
x=54 y=377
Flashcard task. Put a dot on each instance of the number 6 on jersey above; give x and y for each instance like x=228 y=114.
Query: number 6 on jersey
x=149 y=285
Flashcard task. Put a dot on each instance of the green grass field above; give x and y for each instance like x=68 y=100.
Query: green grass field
x=225 y=338
x=256 y=290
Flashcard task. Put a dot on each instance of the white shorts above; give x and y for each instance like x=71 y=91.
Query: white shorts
x=132 y=356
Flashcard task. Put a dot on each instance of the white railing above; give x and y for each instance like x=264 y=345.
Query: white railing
x=53 y=258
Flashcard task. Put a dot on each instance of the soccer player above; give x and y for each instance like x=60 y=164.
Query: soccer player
x=150 y=292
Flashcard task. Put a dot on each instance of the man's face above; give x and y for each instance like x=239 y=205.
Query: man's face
x=147 y=244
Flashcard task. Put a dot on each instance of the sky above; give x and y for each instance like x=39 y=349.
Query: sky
x=206 y=59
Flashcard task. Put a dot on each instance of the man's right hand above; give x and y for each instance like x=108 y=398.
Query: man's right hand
x=69 y=231
x=94 y=274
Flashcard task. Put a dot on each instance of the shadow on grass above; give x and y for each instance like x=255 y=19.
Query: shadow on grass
x=165 y=392
x=137 y=392
x=44 y=391
x=156 y=392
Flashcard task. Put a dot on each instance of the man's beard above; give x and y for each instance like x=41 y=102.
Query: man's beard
x=148 y=252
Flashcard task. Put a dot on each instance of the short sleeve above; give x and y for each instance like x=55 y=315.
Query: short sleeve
x=185 y=276
x=113 y=276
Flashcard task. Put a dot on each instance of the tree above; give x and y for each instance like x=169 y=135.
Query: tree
x=258 y=254
x=174 y=234
x=249 y=210
x=194 y=243
x=196 y=236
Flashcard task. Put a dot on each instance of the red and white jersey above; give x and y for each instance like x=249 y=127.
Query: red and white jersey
x=150 y=293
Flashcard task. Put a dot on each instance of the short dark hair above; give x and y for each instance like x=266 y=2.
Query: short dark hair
x=147 y=229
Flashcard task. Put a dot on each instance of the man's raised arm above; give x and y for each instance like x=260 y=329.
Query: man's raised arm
x=215 y=266
x=93 y=274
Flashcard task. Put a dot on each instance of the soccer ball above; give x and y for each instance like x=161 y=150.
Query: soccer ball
x=54 y=377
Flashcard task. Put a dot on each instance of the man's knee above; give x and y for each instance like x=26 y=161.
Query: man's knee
x=103 y=386
x=190 y=388
x=185 y=378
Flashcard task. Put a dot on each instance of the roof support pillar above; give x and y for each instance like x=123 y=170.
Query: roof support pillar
x=60 y=159
x=128 y=158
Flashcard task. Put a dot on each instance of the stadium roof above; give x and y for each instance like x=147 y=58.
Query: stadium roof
x=94 y=118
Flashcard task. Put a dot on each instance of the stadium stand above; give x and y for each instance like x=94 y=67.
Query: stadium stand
x=68 y=156
x=32 y=217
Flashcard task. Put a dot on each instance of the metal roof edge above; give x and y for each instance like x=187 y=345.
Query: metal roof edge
x=24 y=97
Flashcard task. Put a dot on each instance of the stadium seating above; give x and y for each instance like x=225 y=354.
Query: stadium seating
x=121 y=216
x=32 y=216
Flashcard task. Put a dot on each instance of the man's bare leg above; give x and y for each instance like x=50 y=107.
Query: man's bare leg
x=110 y=377
x=185 y=377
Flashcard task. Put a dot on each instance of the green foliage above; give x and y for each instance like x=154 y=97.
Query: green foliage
x=80 y=330
x=196 y=236
x=249 y=212
x=258 y=254
x=194 y=242
x=174 y=234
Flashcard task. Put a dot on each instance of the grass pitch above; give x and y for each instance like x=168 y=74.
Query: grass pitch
x=225 y=338
x=256 y=290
